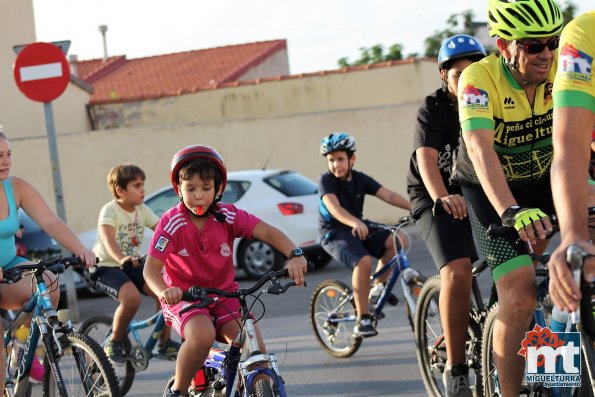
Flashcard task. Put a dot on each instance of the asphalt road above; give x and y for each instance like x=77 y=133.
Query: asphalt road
x=385 y=365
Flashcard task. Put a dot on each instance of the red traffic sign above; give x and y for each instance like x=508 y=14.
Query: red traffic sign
x=41 y=72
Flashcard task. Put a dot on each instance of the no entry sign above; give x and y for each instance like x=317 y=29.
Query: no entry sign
x=41 y=72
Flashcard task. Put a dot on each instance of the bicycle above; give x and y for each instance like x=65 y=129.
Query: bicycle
x=241 y=370
x=137 y=353
x=584 y=320
x=332 y=306
x=430 y=344
x=74 y=364
x=543 y=309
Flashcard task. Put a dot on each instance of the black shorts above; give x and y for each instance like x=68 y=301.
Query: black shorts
x=503 y=254
x=446 y=238
x=348 y=249
x=110 y=279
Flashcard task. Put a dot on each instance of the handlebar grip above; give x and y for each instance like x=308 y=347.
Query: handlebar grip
x=438 y=208
x=499 y=231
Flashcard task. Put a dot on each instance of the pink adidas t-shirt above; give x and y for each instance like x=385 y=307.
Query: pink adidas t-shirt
x=203 y=258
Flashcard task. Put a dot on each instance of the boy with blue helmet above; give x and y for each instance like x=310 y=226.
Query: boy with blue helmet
x=345 y=234
x=449 y=241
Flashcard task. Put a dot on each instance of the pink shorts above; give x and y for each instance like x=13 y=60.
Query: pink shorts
x=220 y=312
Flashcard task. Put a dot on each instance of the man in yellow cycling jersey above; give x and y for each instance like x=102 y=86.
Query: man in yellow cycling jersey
x=574 y=121
x=503 y=165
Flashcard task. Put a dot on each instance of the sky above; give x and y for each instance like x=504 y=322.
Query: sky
x=318 y=32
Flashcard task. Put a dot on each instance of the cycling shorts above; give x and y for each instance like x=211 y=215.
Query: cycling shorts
x=110 y=279
x=446 y=238
x=503 y=254
x=220 y=312
x=348 y=249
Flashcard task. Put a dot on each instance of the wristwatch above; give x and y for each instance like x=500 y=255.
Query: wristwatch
x=295 y=252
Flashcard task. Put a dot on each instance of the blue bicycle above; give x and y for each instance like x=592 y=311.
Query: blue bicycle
x=137 y=353
x=241 y=370
x=332 y=306
x=74 y=364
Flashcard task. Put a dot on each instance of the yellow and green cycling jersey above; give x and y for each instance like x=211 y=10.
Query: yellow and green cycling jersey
x=574 y=86
x=490 y=98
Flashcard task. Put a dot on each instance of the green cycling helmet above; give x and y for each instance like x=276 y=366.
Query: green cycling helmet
x=524 y=19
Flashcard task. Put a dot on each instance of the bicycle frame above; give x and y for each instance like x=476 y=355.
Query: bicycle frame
x=39 y=304
x=136 y=325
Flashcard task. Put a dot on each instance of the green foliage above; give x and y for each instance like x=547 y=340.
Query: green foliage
x=568 y=10
x=374 y=54
x=456 y=24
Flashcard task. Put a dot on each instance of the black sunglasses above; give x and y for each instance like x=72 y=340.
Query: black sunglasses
x=537 y=48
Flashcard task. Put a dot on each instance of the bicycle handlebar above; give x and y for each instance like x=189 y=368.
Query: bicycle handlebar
x=56 y=266
x=201 y=295
x=575 y=257
x=402 y=221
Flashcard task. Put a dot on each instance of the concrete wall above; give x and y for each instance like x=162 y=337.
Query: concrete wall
x=275 y=65
x=279 y=122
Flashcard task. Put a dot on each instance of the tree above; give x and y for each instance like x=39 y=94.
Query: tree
x=374 y=54
x=568 y=11
x=465 y=19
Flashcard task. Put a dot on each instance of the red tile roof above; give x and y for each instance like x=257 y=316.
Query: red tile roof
x=122 y=80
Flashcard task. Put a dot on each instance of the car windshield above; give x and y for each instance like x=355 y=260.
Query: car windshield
x=292 y=184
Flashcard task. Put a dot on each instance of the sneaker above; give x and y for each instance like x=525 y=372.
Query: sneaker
x=36 y=372
x=456 y=381
x=173 y=393
x=170 y=348
x=364 y=327
x=114 y=350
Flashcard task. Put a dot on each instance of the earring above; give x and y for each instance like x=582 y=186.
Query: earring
x=180 y=197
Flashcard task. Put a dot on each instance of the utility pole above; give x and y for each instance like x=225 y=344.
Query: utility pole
x=103 y=30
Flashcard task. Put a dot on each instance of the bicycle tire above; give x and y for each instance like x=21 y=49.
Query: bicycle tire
x=81 y=365
x=262 y=388
x=98 y=328
x=337 y=340
x=488 y=366
x=430 y=346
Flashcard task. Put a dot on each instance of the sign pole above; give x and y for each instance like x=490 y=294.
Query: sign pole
x=59 y=197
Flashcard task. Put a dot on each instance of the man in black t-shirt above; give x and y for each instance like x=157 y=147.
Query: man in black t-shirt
x=345 y=235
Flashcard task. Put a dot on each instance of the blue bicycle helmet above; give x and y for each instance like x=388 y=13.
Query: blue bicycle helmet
x=337 y=141
x=460 y=46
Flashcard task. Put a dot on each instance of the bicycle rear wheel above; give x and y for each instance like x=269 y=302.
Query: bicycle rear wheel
x=431 y=346
x=332 y=317
x=83 y=368
x=99 y=328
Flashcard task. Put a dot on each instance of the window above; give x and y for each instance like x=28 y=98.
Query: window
x=292 y=184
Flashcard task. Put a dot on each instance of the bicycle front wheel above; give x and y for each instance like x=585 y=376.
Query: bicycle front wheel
x=82 y=369
x=262 y=388
x=332 y=316
x=430 y=344
x=99 y=328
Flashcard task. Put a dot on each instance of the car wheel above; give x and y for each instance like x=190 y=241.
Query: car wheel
x=257 y=258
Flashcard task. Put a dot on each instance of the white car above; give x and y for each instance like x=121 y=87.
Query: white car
x=284 y=199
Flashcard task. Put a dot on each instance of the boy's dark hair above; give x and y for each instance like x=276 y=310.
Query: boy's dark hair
x=120 y=175
x=205 y=169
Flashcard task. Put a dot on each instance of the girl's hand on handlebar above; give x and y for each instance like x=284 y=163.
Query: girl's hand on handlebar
x=171 y=295
x=360 y=230
x=297 y=267
x=87 y=257
x=455 y=205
